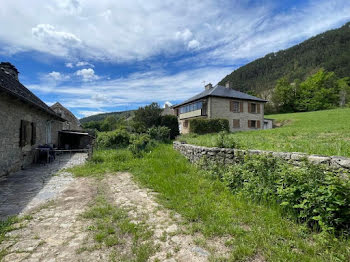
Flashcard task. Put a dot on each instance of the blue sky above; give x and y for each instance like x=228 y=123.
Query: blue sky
x=103 y=56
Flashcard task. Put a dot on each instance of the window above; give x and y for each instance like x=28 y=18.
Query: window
x=27 y=133
x=48 y=132
x=236 y=123
x=236 y=106
x=253 y=124
x=185 y=123
x=253 y=108
x=191 y=107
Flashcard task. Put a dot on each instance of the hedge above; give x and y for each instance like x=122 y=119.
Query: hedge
x=203 y=126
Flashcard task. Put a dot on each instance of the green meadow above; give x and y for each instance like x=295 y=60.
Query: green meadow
x=321 y=132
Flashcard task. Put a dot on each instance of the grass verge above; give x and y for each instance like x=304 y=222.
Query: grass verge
x=209 y=207
x=112 y=228
x=322 y=132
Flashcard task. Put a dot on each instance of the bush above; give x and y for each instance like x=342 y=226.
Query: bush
x=140 y=144
x=159 y=133
x=226 y=141
x=203 y=126
x=309 y=192
x=113 y=139
x=172 y=123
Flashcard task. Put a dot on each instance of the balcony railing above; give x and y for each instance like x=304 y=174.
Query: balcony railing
x=195 y=113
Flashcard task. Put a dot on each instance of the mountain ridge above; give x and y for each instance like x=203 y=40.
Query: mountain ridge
x=329 y=50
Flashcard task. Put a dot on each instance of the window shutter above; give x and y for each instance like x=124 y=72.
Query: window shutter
x=33 y=134
x=22 y=138
x=249 y=124
x=258 y=123
x=236 y=123
x=231 y=106
x=258 y=108
x=249 y=108
x=241 y=107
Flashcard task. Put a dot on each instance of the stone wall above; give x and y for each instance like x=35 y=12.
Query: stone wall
x=230 y=156
x=12 y=111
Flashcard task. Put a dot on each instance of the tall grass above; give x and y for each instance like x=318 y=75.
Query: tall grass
x=210 y=208
x=322 y=132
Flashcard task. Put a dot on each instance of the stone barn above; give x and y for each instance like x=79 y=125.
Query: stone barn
x=72 y=122
x=26 y=122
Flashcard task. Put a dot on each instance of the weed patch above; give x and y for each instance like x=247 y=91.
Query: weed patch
x=112 y=228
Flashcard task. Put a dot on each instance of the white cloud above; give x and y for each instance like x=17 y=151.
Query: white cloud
x=124 y=31
x=193 y=44
x=167 y=103
x=84 y=63
x=135 y=89
x=54 y=40
x=184 y=35
x=87 y=74
x=69 y=65
x=86 y=113
x=56 y=76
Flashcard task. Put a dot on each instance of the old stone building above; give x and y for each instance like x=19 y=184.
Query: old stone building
x=72 y=122
x=243 y=111
x=26 y=122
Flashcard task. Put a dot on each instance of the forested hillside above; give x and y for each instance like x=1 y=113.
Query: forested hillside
x=99 y=117
x=329 y=50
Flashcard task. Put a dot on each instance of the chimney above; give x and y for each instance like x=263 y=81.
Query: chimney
x=10 y=69
x=228 y=84
x=208 y=86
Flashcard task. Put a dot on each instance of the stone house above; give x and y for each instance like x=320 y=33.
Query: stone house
x=243 y=111
x=72 y=122
x=26 y=122
x=167 y=110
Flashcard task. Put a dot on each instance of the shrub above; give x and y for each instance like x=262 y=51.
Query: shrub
x=113 y=139
x=226 y=141
x=308 y=192
x=203 y=126
x=159 y=133
x=140 y=144
x=172 y=123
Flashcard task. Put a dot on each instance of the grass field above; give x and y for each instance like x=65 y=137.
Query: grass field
x=251 y=229
x=321 y=132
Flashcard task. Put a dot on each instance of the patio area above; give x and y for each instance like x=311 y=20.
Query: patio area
x=26 y=189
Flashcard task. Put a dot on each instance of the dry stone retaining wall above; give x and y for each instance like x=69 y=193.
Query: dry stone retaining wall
x=230 y=156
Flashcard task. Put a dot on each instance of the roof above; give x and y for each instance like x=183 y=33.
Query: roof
x=221 y=91
x=13 y=87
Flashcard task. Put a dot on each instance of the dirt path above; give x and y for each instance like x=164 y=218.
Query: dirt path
x=169 y=236
x=56 y=231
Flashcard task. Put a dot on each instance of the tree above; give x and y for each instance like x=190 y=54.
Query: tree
x=344 y=93
x=146 y=117
x=109 y=124
x=319 y=91
x=285 y=95
x=172 y=123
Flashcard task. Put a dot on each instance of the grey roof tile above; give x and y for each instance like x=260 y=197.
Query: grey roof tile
x=221 y=91
x=11 y=86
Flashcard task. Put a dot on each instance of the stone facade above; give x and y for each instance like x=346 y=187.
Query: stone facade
x=12 y=111
x=220 y=108
x=230 y=156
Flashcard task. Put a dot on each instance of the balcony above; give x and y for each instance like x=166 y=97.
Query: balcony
x=195 y=113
